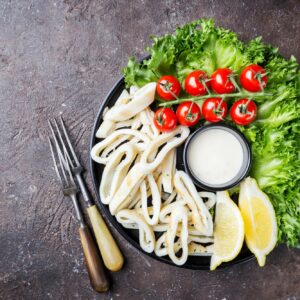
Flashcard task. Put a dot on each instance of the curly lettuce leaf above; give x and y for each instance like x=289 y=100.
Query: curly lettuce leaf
x=274 y=136
x=137 y=74
x=197 y=45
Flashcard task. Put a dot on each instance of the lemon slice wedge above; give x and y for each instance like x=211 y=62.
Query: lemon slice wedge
x=228 y=231
x=259 y=218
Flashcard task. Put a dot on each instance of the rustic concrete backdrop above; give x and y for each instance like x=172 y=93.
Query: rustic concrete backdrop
x=63 y=57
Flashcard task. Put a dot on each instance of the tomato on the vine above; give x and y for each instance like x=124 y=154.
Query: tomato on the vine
x=165 y=119
x=188 y=113
x=195 y=83
x=221 y=81
x=253 y=78
x=214 y=109
x=243 y=111
x=168 y=87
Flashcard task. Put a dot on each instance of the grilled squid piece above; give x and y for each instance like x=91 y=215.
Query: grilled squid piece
x=108 y=126
x=200 y=250
x=168 y=141
x=156 y=201
x=126 y=107
x=146 y=117
x=200 y=239
x=116 y=170
x=146 y=234
x=164 y=216
x=160 y=227
x=127 y=195
x=114 y=145
x=128 y=188
x=168 y=171
x=201 y=218
x=140 y=100
x=211 y=199
x=137 y=203
x=99 y=148
x=133 y=123
x=168 y=198
x=160 y=246
x=139 y=171
x=179 y=216
x=209 y=203
x=194 y=249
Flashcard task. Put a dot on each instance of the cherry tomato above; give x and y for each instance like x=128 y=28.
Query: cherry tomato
x=243 y=111
x=220 y=81
x=165 y=119
x=188 y=113
x=168 y=87
x=193 y=84
x=253 y=78
x=214 y=109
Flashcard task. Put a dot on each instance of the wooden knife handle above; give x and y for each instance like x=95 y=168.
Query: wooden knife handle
x=111 y=254
x=95 y=267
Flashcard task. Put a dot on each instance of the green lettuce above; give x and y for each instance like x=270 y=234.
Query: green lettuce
x=198 y=45
x=274 y=136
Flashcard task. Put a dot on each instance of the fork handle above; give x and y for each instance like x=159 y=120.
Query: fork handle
x=95 y=267
x=111 y=254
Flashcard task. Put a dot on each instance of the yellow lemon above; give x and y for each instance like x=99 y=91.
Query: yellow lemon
x=259 y=219
x=228 y=230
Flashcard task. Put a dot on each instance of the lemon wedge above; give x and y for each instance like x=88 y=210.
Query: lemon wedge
x=228 y=230
x=259 y=218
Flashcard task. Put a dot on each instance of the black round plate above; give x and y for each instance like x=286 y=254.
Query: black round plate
x=193 y=262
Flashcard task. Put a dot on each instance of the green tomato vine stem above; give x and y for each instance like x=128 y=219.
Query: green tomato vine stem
x=224 y=96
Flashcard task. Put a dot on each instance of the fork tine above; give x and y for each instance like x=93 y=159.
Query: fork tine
x=63 y=144
x=53 y=134
x=68 y=141
x=54 y=161
x=62 y=160
x=68 y=168
x=64 y=164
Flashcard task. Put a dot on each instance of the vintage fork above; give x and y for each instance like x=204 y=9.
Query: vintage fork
x=111 y=254
x=95 y=267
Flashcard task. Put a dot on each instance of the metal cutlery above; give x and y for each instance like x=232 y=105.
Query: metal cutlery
x=111 y=254
x=96 y=270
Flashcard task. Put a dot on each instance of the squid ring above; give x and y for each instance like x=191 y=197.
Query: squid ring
x=178 y=216
x=156 y=201
x=201 y=217
x=108 y=126
x=171 y=140
x=141 y=99
x=116 y=170
x=97 y=150
x=146 y=234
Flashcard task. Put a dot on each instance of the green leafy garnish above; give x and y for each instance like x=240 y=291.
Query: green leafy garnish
x=274 y=136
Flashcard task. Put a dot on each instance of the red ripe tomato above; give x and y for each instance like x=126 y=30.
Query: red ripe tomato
x=214 y=109
x=165 y=119
x=253 y=78
x=193 y=84
x=220 y=81
x=188 y=113
x=243 y=111
x=168 y=87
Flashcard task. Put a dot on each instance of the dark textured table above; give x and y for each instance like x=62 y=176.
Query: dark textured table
x=63 y=57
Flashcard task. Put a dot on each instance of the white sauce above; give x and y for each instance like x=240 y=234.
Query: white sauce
x=215 y=156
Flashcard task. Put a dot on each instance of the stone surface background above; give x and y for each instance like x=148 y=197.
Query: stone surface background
x=63 y=57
